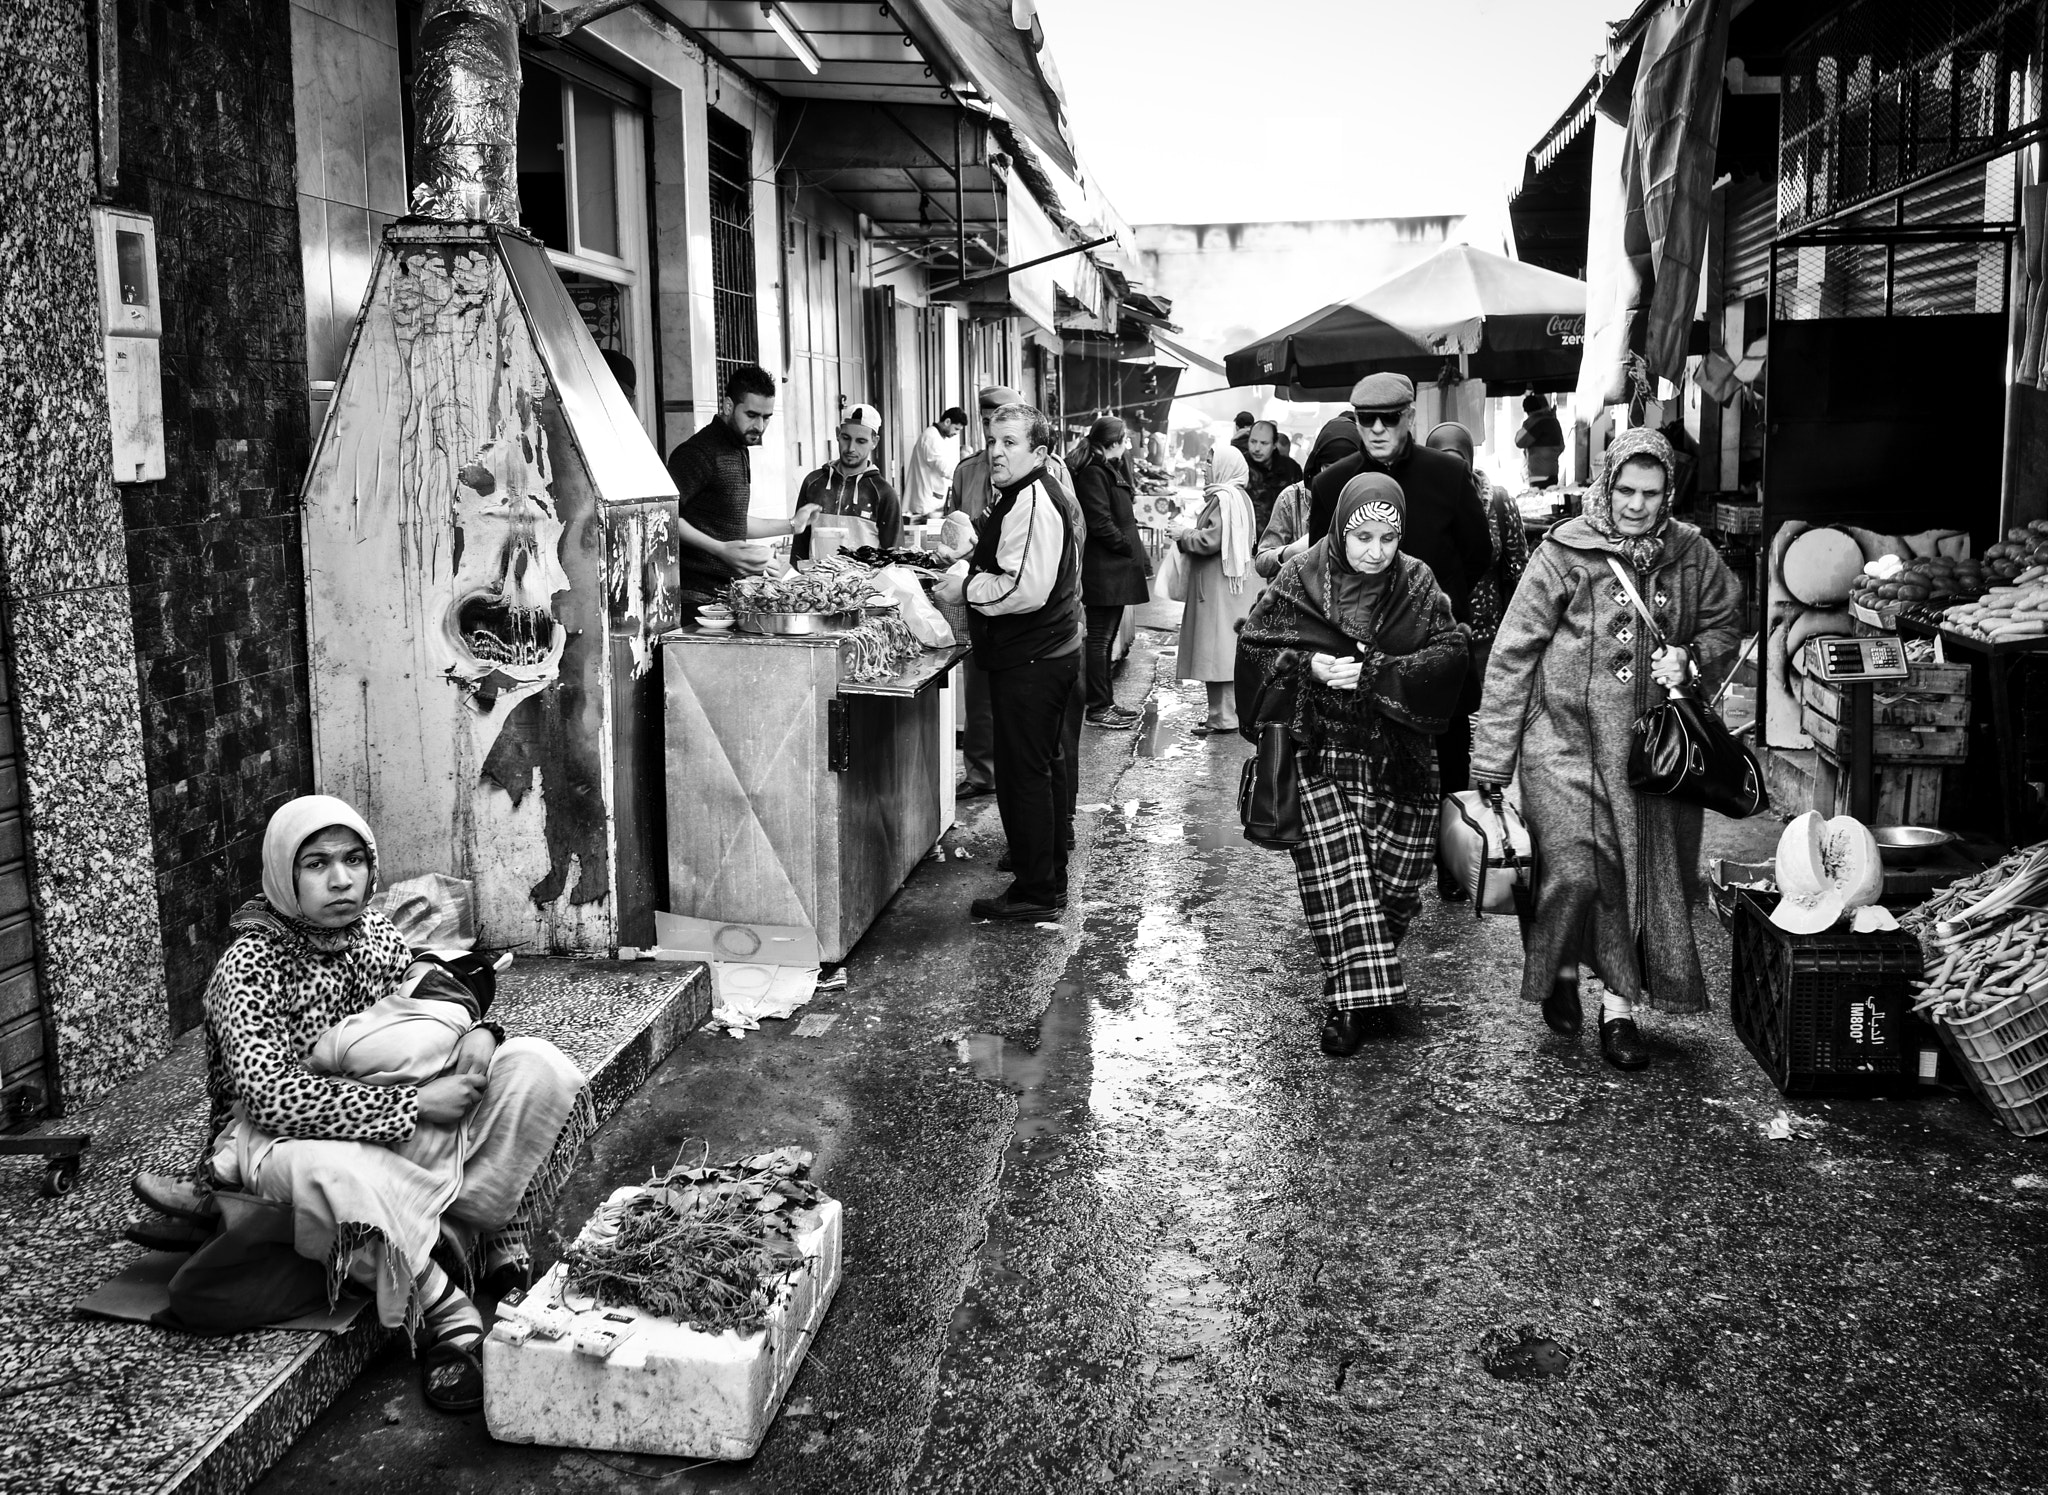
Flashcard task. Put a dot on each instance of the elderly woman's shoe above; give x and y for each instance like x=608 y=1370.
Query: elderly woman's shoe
x=1346 y=1029
x=1561 y=1009
x=1621 y=1045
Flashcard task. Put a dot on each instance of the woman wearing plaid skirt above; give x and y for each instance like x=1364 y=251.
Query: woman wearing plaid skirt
x=1353 y=648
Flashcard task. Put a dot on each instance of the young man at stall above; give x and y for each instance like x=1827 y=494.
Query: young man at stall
x=849 y=494
x=1023 y=593
x=713 y=479
x=932 y=463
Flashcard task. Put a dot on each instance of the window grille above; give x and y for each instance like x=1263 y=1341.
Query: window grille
x=1884 y=94
x=735 y=324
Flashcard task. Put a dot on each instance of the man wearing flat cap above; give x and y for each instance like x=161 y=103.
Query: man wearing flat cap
x=1446 y=529
x=852 y=496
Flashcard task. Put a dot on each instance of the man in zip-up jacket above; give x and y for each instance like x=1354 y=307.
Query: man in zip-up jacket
x=1023 y=593
x=851 y=494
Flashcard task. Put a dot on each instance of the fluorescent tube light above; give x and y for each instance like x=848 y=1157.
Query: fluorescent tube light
x=792 y=38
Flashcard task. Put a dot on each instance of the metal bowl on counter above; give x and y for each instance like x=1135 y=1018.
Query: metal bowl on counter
x=795 y=625
x=1909 y=845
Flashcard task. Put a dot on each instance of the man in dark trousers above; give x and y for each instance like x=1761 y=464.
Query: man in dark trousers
x=1446 y=529
x=1272 y=470
x=1023 y=594
x=714 y=481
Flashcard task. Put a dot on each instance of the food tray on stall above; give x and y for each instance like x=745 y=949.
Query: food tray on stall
x=1825 y=1014
x=795 y=625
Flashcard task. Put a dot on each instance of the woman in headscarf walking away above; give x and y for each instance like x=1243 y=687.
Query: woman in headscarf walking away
x=373 y=1173
x=1572 y=669
x=1113 y=561
x=1354 y=650
x=1221 y=588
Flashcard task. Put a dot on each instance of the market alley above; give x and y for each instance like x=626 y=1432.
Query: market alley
x=1113 y=1221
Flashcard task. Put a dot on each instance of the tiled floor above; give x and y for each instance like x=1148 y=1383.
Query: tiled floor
x=88 y=1407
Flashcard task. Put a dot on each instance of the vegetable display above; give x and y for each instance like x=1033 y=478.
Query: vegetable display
x=711 y=1247
x=2017 y=611
x=1826 y=869
x=1986 y=937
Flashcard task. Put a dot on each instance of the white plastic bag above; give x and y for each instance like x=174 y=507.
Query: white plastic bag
x=1172 y=576
x=432 y=912
x=926 y=623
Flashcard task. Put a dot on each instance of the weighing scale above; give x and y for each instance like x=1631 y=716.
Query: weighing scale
x=1855 y=664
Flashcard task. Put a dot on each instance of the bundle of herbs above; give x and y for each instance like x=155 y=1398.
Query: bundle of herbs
x=713 y=1247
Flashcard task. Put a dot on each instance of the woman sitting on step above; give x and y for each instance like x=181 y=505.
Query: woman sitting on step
x=375 y=1174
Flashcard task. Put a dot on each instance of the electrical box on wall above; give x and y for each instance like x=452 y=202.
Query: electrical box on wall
x=131 y=321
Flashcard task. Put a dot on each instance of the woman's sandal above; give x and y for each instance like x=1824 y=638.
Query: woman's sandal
x=452 y=1372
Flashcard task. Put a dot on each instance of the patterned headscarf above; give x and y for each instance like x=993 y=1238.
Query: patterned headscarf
x=1639 y=444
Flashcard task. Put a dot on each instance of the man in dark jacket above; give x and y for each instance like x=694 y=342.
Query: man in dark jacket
x=1447 y=529
x=1241 y=433
x=1272 y=470
x=1541 y=439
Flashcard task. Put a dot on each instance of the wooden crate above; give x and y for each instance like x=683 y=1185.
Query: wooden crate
x=1938 y=679
x=1904 y=794
x=1889 y=705
x=1889 y=744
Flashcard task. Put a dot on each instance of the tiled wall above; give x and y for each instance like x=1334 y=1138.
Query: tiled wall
x=351 y=164
x=207 y=147
x=65 y=573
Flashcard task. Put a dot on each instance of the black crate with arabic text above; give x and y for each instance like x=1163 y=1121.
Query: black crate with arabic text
x=1826 y=1014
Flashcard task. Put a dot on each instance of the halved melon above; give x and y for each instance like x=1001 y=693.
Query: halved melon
x=1826 y=869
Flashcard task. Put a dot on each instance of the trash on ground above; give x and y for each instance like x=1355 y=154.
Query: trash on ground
x=1784 y=1126
x=816 y=1024
x=1522 y=1354
x=2030 y=1181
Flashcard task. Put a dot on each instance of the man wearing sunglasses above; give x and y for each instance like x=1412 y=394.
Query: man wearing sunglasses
x=1446 y=525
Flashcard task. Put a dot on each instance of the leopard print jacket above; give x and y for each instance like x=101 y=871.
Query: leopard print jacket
x=280 y=985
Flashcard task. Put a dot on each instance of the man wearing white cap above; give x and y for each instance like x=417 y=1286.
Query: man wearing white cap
x=853 y=498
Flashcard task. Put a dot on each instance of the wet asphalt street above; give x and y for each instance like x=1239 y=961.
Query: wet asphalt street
x=1113 y=1222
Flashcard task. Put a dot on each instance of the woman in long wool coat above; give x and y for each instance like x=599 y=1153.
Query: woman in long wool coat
x=1571 y=670
x=1221 y=588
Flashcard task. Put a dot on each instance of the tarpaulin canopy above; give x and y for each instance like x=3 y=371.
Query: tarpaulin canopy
x=999 y=48
x=1510 y=322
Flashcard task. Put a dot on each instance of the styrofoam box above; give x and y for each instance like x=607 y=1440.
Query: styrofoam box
x=631 y=1382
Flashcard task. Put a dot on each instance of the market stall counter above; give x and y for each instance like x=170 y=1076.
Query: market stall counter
x=1999 y=657
x=798 y=795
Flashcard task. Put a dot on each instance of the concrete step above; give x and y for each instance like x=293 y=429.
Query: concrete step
x=126 y=1408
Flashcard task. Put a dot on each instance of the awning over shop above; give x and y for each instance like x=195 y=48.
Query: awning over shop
x=996 y=49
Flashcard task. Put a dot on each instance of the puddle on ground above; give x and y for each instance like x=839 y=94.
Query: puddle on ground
x=1523 y=1355
x=1146 y=743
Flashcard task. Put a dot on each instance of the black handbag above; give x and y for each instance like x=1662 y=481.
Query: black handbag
x=1681 y=749
x=1269 y=792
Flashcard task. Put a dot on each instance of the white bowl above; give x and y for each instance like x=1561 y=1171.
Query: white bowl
x=714 y=625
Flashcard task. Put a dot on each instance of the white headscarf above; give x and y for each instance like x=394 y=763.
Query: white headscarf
x=1228 y=474
x=295 y=823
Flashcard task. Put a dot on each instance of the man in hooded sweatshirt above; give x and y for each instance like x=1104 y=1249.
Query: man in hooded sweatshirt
x=851 y=494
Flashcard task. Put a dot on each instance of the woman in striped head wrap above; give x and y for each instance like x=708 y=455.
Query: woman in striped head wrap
x=1353 y=648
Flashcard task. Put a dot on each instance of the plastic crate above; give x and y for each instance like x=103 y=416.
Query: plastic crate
x=2003 y=1054
x=1825 y=1014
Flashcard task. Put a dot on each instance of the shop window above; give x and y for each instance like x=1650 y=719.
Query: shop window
x=583 y=193
x=735 y=320
x=569 y=158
